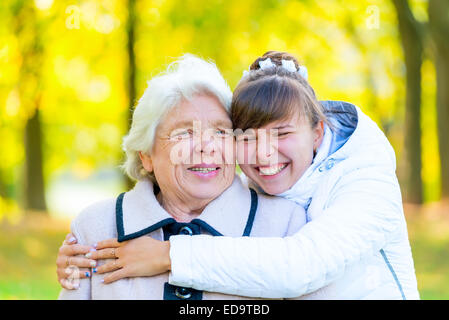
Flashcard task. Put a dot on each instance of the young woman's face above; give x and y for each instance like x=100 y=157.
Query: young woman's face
x=276 y=155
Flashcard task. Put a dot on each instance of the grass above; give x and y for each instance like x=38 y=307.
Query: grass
x=428 y=228
x=28 y=252
x=28 y=249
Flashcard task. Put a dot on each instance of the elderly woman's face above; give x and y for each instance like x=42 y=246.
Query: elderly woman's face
x=193 y=153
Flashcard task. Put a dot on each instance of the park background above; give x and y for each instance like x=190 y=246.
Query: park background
x=71 y=71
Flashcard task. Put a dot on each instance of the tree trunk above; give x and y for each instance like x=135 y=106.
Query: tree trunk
x=439 y=33
x=34 y=178
x=3 y=192
x=131 y=26
x=27 y=30
x=411 y=40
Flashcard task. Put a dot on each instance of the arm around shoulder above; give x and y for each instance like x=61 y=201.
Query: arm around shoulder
x=362 y=213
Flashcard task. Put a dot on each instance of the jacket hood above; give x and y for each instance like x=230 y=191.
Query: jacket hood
x=357 y=136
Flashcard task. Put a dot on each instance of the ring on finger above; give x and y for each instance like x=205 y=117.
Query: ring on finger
x=113 y=253
x=67 y=262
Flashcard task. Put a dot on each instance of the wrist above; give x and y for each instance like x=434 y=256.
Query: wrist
x=166 y=255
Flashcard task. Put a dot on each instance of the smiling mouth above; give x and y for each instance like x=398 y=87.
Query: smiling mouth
x=203 y=170
x=271 y=170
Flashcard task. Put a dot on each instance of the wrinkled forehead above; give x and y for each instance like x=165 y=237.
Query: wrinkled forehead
x=204 y=123
x=189 y=114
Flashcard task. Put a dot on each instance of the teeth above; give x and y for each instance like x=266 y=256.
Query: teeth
x=272 y=170
x=203 y=170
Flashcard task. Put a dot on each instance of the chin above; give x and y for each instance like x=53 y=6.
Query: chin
x=205 y=193
x=269 y=187
x=274 y=189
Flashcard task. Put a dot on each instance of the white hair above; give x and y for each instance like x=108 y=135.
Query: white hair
x=184 y=78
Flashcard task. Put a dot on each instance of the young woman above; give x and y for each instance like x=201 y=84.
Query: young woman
x=328 y=157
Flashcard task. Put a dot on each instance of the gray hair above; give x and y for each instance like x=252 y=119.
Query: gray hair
x=184 y=78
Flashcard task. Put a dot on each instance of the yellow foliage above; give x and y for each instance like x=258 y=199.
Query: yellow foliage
x=352 y=51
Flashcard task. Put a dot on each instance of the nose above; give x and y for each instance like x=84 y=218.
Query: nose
x=266 y=150
x=205 y=144
x=208 y=146
x=205 y=149
x=266 y=158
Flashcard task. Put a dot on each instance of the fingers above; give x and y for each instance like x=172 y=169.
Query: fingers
x=109 y=243
x=83 y=273
x=108 y=267
x=109 y=253
x=73 y=273
x=116 y=275
x=69 y=285
x=79 y=262
x=74 y=249
x=70 y=277
x=69 y=239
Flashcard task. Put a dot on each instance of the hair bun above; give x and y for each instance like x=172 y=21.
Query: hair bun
x=276 y=57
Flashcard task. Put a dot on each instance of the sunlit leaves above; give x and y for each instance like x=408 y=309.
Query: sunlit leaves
x=351 y=50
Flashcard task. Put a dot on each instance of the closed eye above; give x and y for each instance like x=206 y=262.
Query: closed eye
x=223 y=132
x=180 y=134
x=247 y=138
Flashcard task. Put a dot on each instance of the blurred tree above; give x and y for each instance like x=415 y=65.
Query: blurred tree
x=368 y=76
x=438 y=11
x=34 y=178
x=27 y=30
x=132 y=69
x=130 y=30
x=3 y=192
x=412 y=43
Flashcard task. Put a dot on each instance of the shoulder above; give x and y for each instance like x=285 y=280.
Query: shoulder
x=97 y=211
x=269 y=203
x=95 y=221
x=278 y=215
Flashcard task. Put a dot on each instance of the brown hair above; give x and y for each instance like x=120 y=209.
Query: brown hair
x=271 y=94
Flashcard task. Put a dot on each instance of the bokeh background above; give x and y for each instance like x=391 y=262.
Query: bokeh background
x=71 y=71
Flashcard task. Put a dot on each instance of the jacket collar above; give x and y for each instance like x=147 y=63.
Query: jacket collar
x=141 y=213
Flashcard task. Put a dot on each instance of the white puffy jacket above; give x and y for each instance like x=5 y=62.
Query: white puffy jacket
x=355 y=245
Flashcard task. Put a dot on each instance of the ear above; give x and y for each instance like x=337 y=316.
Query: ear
x=318 y=133
x=147 y=163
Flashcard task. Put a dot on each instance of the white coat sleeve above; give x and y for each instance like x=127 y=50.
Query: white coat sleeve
x=84 y=290
x=364 y=210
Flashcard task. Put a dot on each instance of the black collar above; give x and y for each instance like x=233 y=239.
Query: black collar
x=152 y=206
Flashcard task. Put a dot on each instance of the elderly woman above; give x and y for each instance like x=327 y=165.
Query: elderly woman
x=181 y=152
